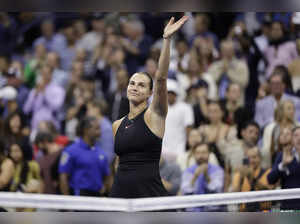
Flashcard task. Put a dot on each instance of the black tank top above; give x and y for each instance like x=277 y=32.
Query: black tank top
x=139 y=151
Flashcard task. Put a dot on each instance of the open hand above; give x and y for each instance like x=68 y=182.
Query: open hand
x=287 y=156
x=172 y=27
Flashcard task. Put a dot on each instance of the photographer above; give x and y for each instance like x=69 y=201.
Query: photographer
x=252 y=177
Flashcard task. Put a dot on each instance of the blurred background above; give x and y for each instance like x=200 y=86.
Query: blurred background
x=233 y=94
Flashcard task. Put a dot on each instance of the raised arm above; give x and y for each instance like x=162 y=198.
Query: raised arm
x=159 y=103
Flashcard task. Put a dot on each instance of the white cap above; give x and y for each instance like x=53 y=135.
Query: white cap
x=296 y=18
x=172 y=86
x=8 y=93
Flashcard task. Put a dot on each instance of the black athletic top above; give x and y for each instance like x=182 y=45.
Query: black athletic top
x=139 y=153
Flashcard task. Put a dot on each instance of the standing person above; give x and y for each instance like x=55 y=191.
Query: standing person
x=138 y=136
x=83 y=166
x=179 y=122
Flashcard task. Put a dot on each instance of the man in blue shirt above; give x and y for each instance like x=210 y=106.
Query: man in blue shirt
x=83 y=166
x=203 y=177
x=287 y=169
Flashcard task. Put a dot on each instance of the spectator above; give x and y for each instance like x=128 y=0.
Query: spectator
x=281 y=51
x=229 y=69
x=75 y=76
x=8 y=33
x=284 y=139
x=197 y=97
x=180 y=58
x=170 y=176
x=117 y=100
x=15 y=78
x=33 y=66
x=204 y=51
x=96 y=108
x=262 y=43
x=178 y=123
x=195 y=74
x=27 y=172
x=239 y=35
x=48 y=127
x=187 y=159
x=264 y=110
x=203 y=178
x=80 y=28
x=16 y=131
x=201 y=27
x=90 y=40
x=136 y=44
x=5 y=62
x=232 y=103
x=49 y=162
x=216 y=132
x=109 y=58
x=7 y=169
x=83 y=166
x=252 y=177
x=284 y=118
x=294 y=69
x=8 y=103
x=236 y=151
x=51 y=40
x=286 y=169
x=68 y=53
x=45 y=100
x=59 y=76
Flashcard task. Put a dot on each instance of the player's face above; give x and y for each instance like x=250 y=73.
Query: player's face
x=138 y=89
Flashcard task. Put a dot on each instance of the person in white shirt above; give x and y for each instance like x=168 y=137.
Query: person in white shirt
x=179 y=121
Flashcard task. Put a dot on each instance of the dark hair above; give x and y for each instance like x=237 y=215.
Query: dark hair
x=201 y=144
x=84 y=123
x=44 y=137
x=231 y=84
x=283 y=72
x=100 y=104
x=24 y=166
x=295 y=129
x=7 y=129
x=214 y=102
x=2 y=148
x=246 y=125
x=149 y=76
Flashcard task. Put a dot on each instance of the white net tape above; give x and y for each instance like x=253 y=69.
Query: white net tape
x=21 y=200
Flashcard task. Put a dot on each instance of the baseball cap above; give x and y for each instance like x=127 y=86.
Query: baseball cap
x=172 y=86
x=8 y=93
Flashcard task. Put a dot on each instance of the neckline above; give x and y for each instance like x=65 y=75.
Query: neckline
x=133 y=119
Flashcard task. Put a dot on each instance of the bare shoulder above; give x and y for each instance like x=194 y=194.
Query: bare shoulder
x=116 y=125
x=8 y=164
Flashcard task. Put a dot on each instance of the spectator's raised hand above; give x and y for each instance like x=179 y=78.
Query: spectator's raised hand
x=287 y=156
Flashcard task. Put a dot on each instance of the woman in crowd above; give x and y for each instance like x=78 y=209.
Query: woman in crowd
x=284 y=118
x=187 y=159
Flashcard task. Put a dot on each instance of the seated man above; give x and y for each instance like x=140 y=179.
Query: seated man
x=203 y=178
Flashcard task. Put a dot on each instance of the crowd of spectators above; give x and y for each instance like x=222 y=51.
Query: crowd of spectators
x=233 y=94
